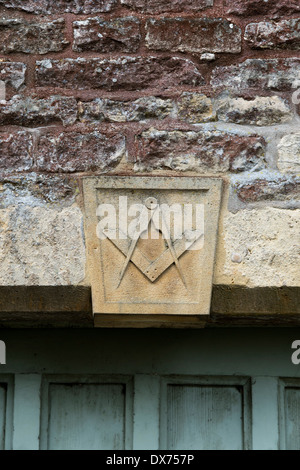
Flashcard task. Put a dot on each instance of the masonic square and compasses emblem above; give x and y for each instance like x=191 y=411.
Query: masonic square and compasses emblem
x=151 y=244
x=158 y=216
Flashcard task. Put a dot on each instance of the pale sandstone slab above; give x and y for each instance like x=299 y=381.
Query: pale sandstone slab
x=259 y=248
x=289 y=153
x=41 y=246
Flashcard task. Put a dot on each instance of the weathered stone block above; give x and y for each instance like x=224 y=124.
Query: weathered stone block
x=18 y=35
x=289 y=153
x=16 y=151
x=259 y=7
x=37 y=189
x=71 y=152
x=284 y=34
x=127 y=73
x=45 y=7
x=149 y=107
x=259 y=74
x=161 y=6
x=268 y=188
x=13 y=74
x=100 y=35
x=31 y=111
x=205 y=150
x=261 y=111
x=193 y=35
x=195 y=107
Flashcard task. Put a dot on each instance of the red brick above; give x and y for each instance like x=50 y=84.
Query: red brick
x=193 y=35
x=71 y=152
x=127 y=73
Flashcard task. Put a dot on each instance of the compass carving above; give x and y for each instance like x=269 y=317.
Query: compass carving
x=153 y=269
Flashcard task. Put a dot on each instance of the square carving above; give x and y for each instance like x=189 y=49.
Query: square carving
x=151 y=244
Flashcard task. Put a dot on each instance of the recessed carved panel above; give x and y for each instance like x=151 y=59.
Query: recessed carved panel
x=151 y=244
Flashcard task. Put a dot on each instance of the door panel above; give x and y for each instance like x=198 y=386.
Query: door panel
x=290 y=414
x=292 y=418
x=204 y=418
x=211 y=413
x=86 y=416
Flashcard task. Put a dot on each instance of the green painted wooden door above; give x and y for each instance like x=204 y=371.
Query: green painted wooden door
x=186 y=390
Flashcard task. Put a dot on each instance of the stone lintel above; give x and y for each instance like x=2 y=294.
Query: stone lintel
x=70 y=306
x=45 y=306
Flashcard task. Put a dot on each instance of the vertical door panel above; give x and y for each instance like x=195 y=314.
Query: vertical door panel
x=292 y=418
x=265 y=413
x=27 y=411
x=206 y=416
x=86 y=416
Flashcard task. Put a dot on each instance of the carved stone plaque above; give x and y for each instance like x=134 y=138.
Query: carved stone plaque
x=151 y=244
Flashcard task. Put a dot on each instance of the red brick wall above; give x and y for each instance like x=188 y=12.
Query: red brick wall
x=138 y=86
